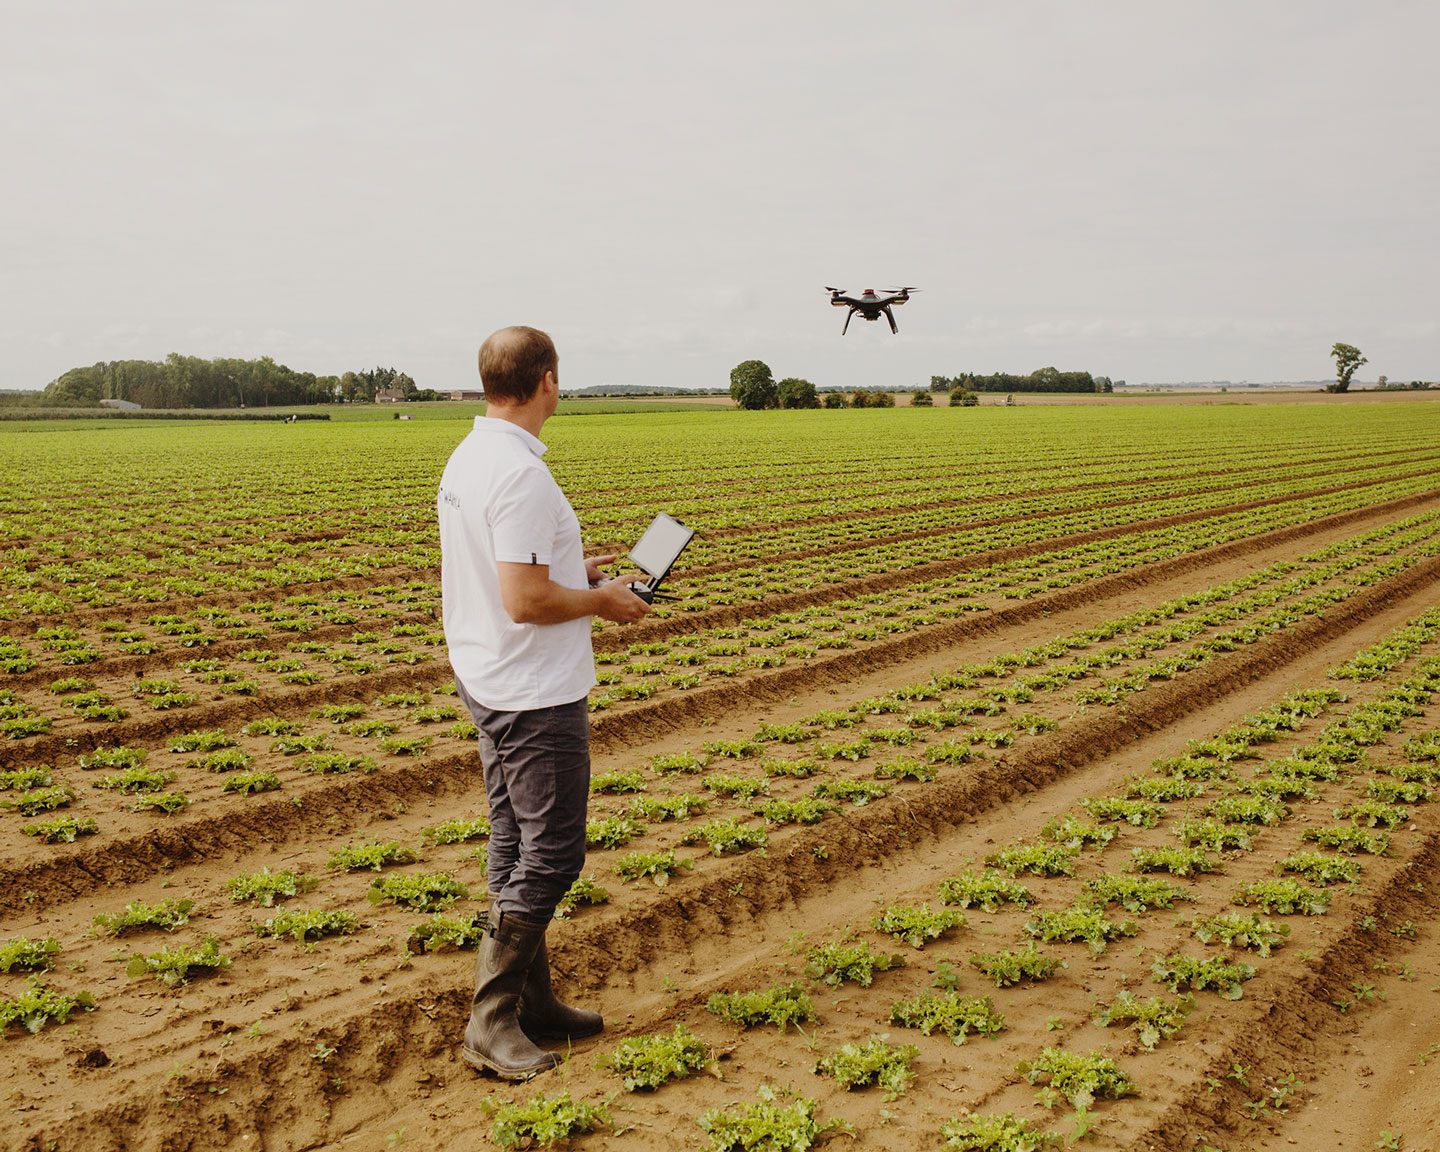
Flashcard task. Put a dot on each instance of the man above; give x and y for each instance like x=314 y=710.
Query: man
x=518 y=594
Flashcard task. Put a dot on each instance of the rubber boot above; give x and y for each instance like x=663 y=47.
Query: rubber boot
x=542 y=1016
x=493 y=1038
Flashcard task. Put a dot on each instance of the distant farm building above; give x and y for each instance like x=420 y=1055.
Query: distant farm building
x=389 y=396
x=465 y=394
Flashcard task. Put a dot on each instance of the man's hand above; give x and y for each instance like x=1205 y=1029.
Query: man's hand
x=593 y=564
x=618 y=603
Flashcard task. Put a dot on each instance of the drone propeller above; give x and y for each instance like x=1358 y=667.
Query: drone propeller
x=829 y=289
x=902 y=290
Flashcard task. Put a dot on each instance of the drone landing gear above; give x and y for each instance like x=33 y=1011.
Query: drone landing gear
x=891 y=317
x=848 y=317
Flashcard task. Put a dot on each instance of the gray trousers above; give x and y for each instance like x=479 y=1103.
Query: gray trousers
x=537 y=779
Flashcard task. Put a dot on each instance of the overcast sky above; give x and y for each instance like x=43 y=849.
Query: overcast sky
x=1150 y=191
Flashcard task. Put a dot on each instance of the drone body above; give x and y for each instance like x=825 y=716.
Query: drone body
x=869 y=305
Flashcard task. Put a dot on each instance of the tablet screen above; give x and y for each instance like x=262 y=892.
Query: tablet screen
x=663 y=541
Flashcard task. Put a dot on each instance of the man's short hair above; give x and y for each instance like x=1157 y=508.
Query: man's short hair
x=513 y=361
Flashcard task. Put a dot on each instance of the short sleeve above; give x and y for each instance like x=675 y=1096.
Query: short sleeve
x=522 y=518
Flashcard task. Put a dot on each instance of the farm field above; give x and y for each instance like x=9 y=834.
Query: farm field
x=1073 y=766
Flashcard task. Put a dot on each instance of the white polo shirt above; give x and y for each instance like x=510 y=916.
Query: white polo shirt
x=498 y=502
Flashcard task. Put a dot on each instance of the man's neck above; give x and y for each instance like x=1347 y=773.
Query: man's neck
x=530 y=417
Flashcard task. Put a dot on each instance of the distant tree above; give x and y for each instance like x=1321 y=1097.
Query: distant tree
x=922 y=400
x=1102 y=384
x=835 y=400
x=1382 y=382
x=964 y=398
x=1347 y=359
x=862 y=398
x=792 y=392
x=752 y=385
x=939 y=384
x=882 y=400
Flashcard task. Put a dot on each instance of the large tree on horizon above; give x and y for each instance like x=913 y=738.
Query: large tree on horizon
x=1347 y=359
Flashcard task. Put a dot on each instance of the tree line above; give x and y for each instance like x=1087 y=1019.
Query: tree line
x=1041 y=380
x=193 y=382
x=753 y=385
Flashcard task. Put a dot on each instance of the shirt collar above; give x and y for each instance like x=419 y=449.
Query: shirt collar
x=494 y=424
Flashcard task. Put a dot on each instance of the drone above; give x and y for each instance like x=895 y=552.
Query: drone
x=869 y=305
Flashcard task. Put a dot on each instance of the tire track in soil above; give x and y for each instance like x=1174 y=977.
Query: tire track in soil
x=599 y=955
x=610 y=639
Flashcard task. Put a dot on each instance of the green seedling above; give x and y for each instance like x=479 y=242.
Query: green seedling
x=618 y=782
x=1007 y=968
x=1241 y=930
x=987 y=891
x=1153 y=1020
x=1080 y=1079
x=907 y=768
x=267 y=888
x=783 y=1005
x=765 y=1124
x=1139 y=813
x=248 y=783
x=797 y=769
x=856 y=1066
x=1133 y=893
x=662 y=808
x=23 y=955
x=546 y=1121
x=1213 y=835
x=1077 y=924
x=955 y=1015
x=137 y=916
x=1178 y=971
x=312 y=924
x=848 y=960
x=1349 y=839
x=1321 y=868
x=917 y=926
x=1037 y=859
x=743 y=788
x=166 y=802
x=1176 y=861
x=1075 y=833
x=174 y=965
x=727 y=835
x=583 y=892
x=1283 y=898
x=39 y=800
x=856 y=792
x=375 y=856
x=658 y=866
x=647 y=1062
x=420 y=890
x=805 y=810
x=441 y=930
x=611 y=832
x=62 y=829
x=38 y=1006
x=1000 y=1132
x=683 y=762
